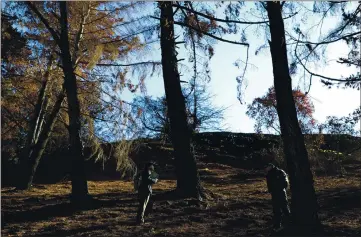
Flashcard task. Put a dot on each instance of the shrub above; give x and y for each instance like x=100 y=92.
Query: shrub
x=322 y=161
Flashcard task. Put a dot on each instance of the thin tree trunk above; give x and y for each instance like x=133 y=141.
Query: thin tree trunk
x=304 y=202
x=42 y=119
x=78 y=177
x=35 y=128
x=188 y=181
x=38 y=111
x=44 y=103
x=39 y=147
x=195 y=97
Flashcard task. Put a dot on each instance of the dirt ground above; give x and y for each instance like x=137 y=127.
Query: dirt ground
x=241 y=207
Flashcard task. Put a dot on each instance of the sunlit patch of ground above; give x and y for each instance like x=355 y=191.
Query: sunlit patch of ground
x=241 y=206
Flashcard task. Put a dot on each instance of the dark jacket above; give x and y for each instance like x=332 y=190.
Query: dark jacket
x=277 y=180
x=146 y=182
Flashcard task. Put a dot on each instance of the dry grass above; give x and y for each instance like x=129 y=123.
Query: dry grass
x=241 y=207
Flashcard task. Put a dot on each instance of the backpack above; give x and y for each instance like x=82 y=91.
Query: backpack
x=137 y=181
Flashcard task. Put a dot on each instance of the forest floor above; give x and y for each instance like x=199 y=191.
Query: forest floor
x=240 y=207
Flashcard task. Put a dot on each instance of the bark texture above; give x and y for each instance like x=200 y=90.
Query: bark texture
x=39 y=147
x=188 y=181
x=304 y=202
x=79 y=183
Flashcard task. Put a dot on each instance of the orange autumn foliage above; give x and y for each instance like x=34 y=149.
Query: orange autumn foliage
x=264 y=111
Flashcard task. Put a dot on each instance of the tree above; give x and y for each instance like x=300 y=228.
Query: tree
x=79 y=183
x=188 y=181
x=342 y=125
x=153 y=118
x=304 y=203
x=12 y=42
x=195 y=30
x=202 y=114
x=13 y=105
x=20 y=84
x=89 y=45
x=264 y=111
x=39 y=145
x=155 y=122
x=60 y=27
x=306 y=52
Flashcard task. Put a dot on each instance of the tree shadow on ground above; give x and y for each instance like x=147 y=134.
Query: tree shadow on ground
x=340 y=198
x=241 y=177
x=228 y=217
x=341 y=231
x=61 y=207
x=234 y=179
x=343 y=202
x=75 y=232
x=235 y=215
x=42 y=213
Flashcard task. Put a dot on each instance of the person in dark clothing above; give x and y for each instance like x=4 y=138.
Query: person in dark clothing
x=145 y=191
x=277 y=182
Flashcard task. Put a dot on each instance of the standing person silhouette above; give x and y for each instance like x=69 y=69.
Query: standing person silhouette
x=147 y=179
x=277 y=182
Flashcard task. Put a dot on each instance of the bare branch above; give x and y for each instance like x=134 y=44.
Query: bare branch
x=110 y=13
x=326 y=42
x=225 y=20
x=318 y=75
x=79 y=35
x=128 y=65
x=53 y=33
x=206 y=33
x=130 y=35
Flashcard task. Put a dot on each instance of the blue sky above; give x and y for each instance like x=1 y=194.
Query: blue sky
x=327 y=102
x=259 y=75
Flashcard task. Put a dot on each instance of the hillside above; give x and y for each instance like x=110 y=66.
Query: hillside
x=240 y=206
x=238 y=150
x=228 y=164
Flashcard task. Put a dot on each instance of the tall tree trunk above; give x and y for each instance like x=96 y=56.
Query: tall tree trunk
x=188 y=181
x=38 y=111
x=195 y=97
x=39 y=147
x=78 y=178
x=35 y=128
x=304 y=202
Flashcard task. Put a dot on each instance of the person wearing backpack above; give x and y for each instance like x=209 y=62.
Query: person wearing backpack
x=277 y=183
x=143 y=184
